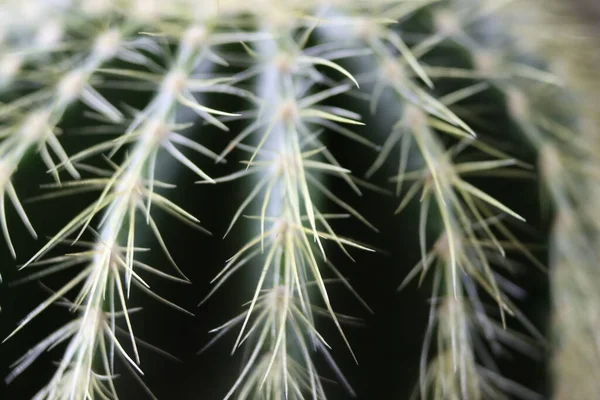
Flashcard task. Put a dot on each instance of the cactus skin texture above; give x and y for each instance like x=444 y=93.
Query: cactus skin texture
x=341 y=149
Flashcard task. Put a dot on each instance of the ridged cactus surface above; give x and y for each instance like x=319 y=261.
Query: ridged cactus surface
x=399 y=199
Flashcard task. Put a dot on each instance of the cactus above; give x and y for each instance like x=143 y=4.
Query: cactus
x=446 y=148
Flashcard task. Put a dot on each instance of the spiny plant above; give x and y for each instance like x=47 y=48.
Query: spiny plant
x=445 y=145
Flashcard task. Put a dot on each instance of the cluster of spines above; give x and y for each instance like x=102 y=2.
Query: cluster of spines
x=289 y=244
x=108 y=264
x=460 y=257
x=279 y=326
x=568 y=162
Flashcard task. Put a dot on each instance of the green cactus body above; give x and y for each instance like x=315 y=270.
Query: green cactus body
x=452 y=111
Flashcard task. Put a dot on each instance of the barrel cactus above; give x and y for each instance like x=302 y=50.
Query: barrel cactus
x=398 y=199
